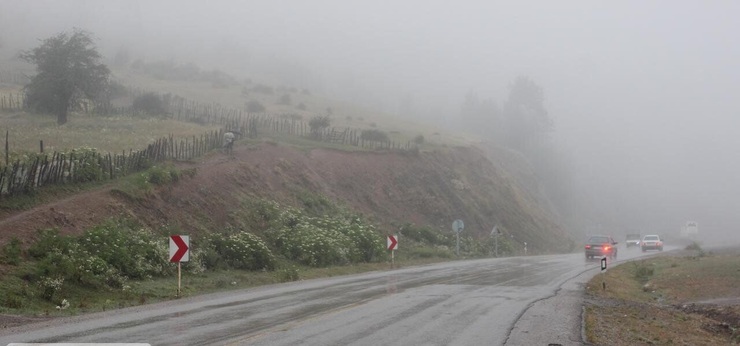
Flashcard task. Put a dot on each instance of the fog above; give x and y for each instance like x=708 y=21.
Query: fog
x=643 y=95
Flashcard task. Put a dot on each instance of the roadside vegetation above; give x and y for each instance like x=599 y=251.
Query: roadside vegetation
x=121 y=263
x=689 y=299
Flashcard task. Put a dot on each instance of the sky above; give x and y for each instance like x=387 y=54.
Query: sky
x=642 y=93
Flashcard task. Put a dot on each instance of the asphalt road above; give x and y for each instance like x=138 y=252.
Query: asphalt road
x=477 y=302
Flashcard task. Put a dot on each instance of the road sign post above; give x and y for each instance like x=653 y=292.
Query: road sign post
x=179 y=252
x=457 y=227
x=603 y=268
x=495 y=233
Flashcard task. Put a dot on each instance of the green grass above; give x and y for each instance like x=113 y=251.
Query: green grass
x=106 y=134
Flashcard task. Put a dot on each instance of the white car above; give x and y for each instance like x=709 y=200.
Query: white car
x=651 y=242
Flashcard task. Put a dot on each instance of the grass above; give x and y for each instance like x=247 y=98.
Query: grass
x=106 y=134
x=639 y=305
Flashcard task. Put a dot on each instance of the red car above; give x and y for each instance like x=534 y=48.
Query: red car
x=601 y=245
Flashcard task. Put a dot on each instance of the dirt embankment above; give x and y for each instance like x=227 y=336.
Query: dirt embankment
x=427 y=188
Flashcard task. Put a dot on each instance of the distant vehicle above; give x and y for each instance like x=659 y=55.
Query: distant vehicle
x=601 y=245
x=633 y=240
x=651 y=242
x=691 y=230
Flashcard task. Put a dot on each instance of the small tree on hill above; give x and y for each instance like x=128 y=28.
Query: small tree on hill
x=69 y=70
x=318 y=124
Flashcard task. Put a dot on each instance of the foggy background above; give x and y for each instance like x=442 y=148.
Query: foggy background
x=643 y=95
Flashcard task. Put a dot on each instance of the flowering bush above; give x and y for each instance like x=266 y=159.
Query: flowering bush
x=50 y=286
x=327 y=240
x=106 y=255
x=241 y=250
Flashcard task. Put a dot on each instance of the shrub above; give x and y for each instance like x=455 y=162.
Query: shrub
x=643 y=271
x=419 y=139
x=284 y=100
x=48 y=241
x=255 y=107
x=319 y=123
x=12 y=252
x=423 y=234
x=312 y=245
x=162 y=175
x=134 y=252
x=374 y=135
x=263 y=89
x=241 y=250
x=149 y=103
x=287 y=274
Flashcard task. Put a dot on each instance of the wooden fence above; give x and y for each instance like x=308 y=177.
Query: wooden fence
x=64 y=168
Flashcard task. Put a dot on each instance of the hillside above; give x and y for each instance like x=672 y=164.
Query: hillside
x=390 y=188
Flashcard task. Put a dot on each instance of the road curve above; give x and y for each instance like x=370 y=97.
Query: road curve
x=471 y=302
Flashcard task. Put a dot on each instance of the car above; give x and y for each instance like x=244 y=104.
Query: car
x=600 y=245
x=651 y=242
x=633 y=239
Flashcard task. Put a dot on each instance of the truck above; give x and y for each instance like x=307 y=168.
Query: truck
x=690 y=230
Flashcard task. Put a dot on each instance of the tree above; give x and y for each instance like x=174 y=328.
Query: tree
x=318 y=123
x=481 y=116
x=68 y=72
x=527 y=121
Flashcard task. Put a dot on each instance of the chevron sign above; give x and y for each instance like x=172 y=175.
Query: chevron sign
x=179 y=248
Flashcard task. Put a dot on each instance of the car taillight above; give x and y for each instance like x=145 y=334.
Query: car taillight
x=659 y=243
x=588 y=246
x=606 y=247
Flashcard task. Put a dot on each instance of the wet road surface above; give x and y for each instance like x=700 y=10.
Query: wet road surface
x=456 y=303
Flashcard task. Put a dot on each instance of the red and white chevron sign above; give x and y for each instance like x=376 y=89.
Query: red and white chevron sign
x=179 y=248
x=392 y=242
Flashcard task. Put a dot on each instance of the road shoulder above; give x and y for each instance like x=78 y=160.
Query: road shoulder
x=554 y=320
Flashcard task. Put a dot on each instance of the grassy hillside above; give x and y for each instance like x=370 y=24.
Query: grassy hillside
x=272 y=198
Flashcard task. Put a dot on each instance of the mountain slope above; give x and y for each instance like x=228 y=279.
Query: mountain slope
x=391 y=188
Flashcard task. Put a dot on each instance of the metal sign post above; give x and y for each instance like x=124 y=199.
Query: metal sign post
x=457 y=227
x=495 y=233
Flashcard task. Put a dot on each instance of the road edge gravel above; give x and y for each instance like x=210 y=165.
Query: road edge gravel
x=554 y=320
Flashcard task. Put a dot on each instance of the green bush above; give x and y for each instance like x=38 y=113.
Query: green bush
x=287 y=274
x=12 y=301
x=241 y=250
x=134 y=252
x=429 y=252
x=423 y=234
x=374 y=135
x=284 y=100
x=149 y=103
x=255 y=107
x=643 y=271
x=12 y=252
x=47 y=241
x=106 y=255
x=319 y=123
x=162 y=175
